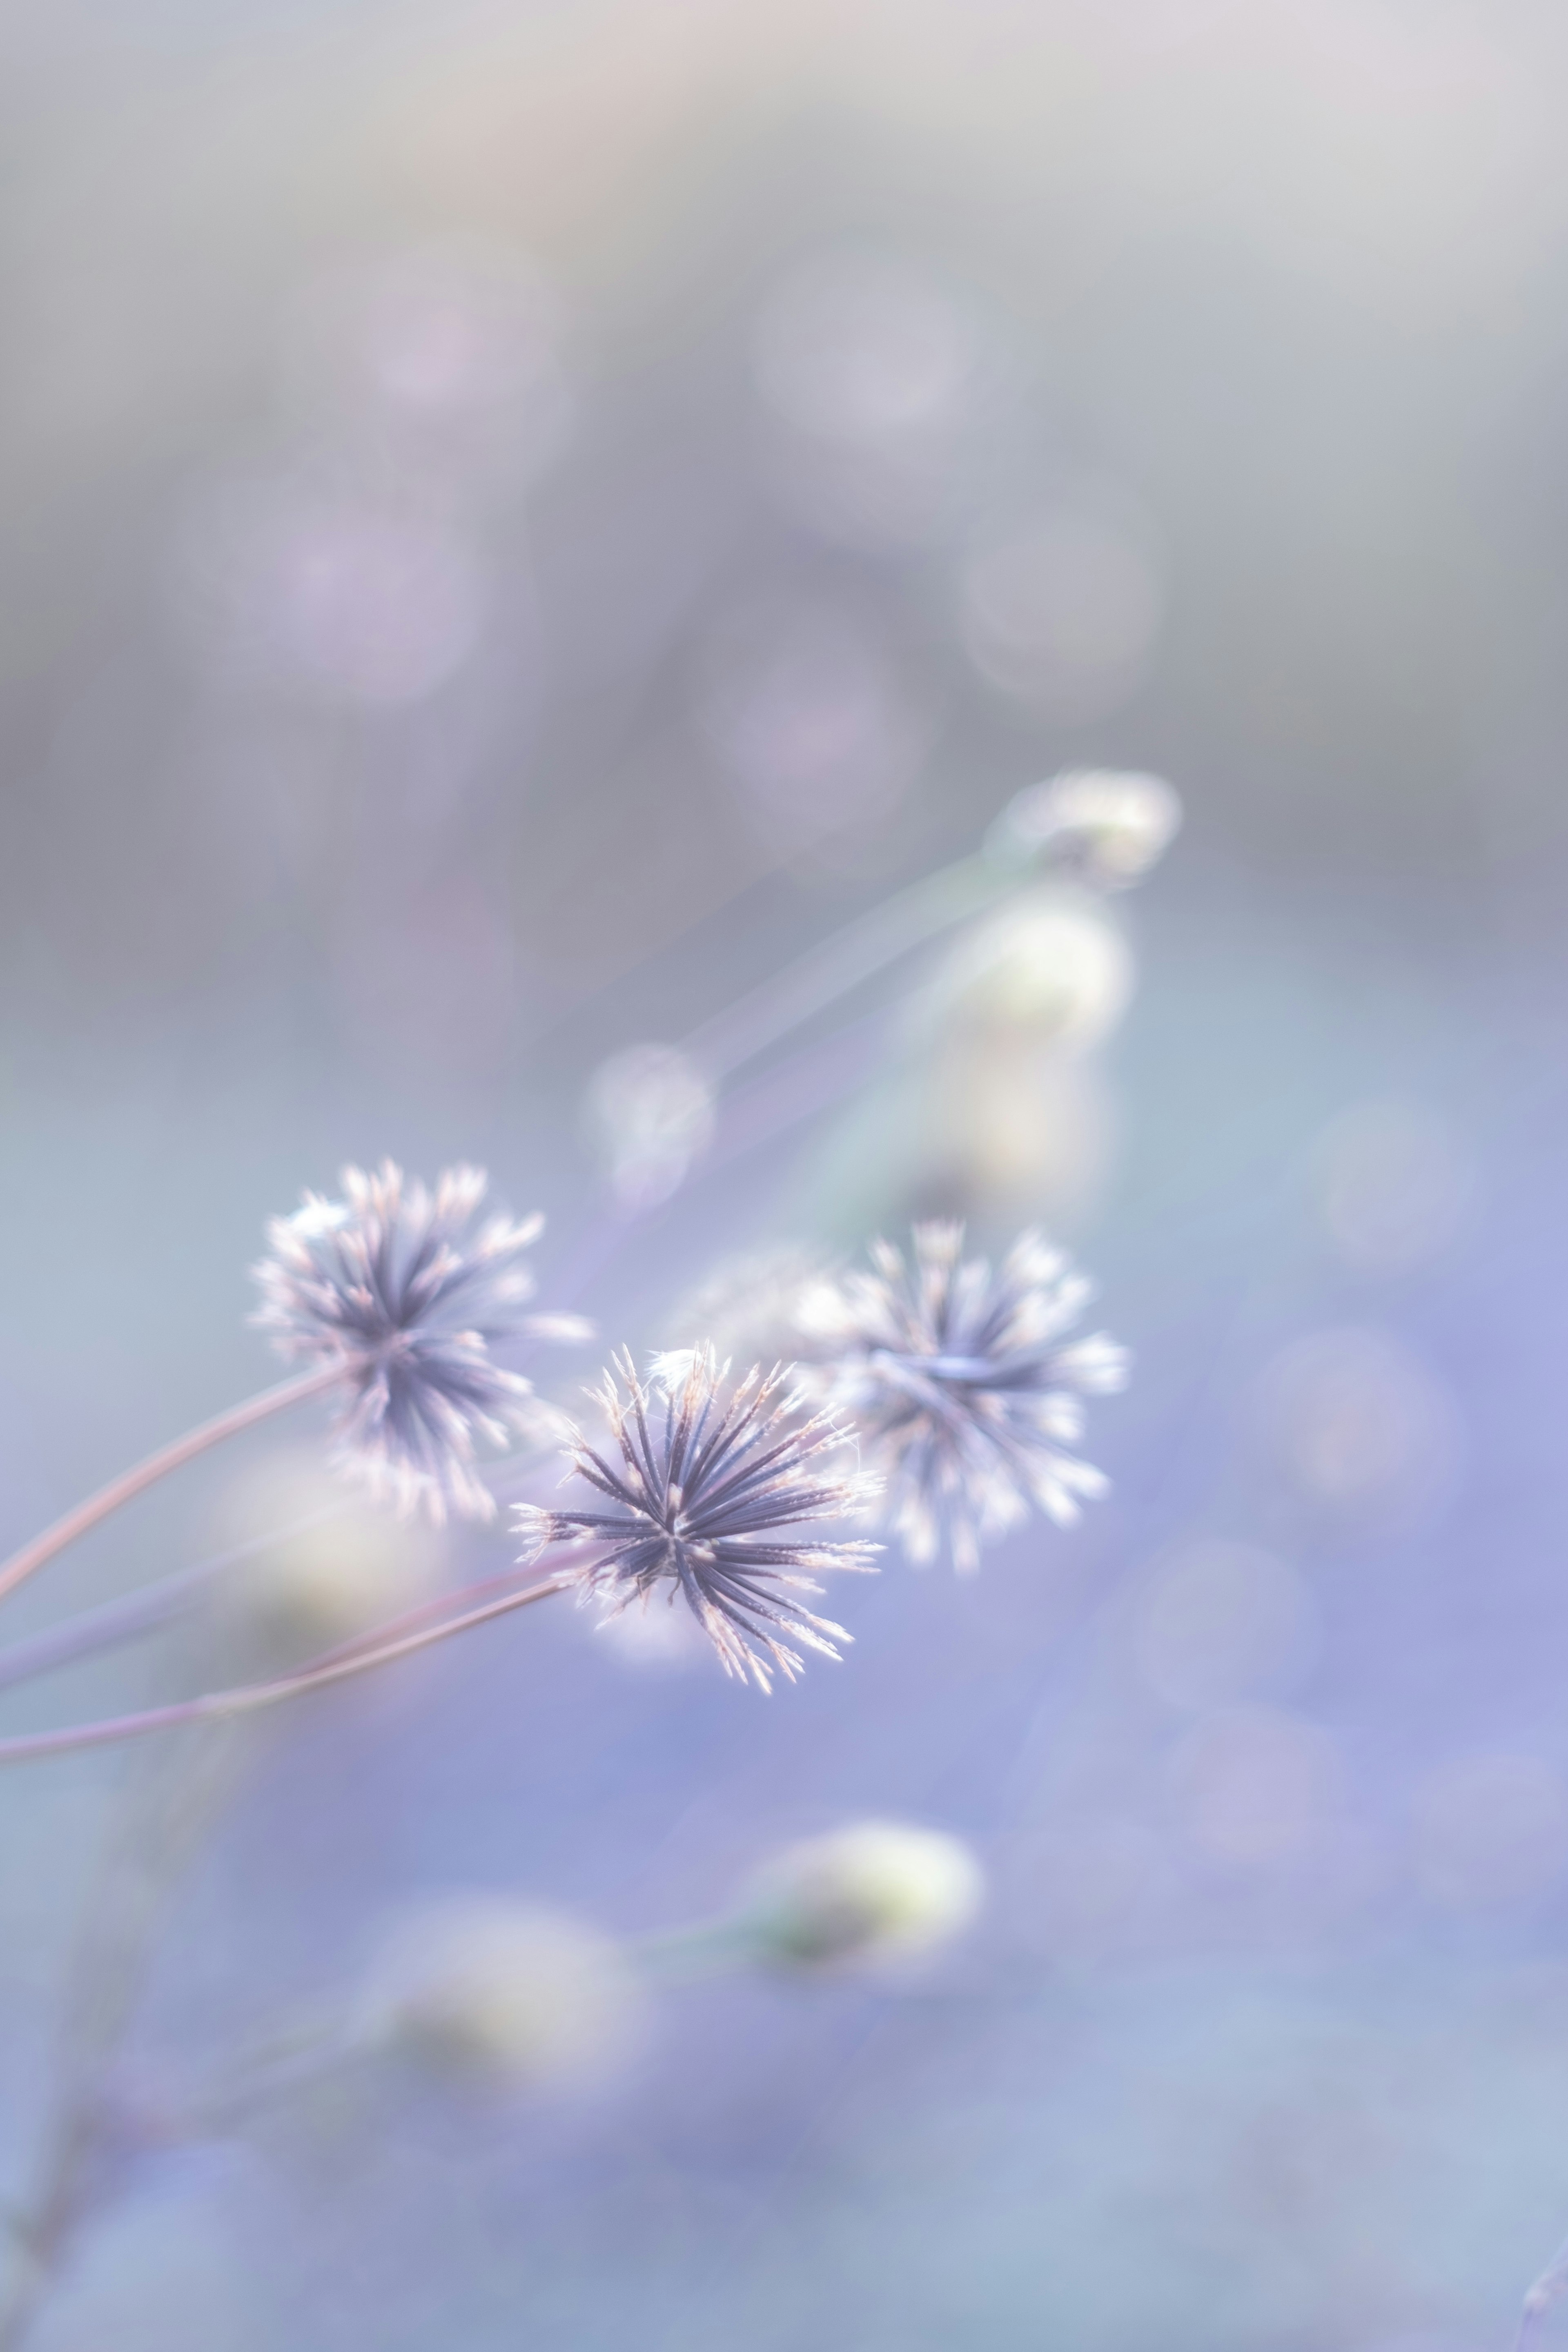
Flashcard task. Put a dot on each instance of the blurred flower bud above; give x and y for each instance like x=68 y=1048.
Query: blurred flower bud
x=876 y=1891
x=994 y=1126
x=1113 y=827
x=326 y=1563
x=651 y=1112
x=486 y=1993
x=1047 y=962
x=1014 y=1132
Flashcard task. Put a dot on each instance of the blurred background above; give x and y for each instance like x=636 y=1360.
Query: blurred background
x=520 y=520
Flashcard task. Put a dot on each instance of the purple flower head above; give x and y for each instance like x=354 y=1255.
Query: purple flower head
x=963 y=1384
x=711 y=1473
x=402 y=1290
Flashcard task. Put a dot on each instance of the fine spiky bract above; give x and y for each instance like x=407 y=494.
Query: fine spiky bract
x=964 y=1387
x=408 y=1292
x=711 y=1475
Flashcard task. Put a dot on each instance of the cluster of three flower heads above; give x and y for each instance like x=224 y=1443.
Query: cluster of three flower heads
x=953 y=1391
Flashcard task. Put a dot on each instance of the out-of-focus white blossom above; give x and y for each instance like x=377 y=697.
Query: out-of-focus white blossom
x=876 y=1891
x=1046 y=962
x=321 y=1564
x=1011 y=1130
x=1112 y=825
x=501 y=1995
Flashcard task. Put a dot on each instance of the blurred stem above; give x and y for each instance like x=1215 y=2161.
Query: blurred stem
x=862 y=949
x=127 y=1618
x=155 y=1832
x=379 y=1637
x=708 y=1948
x=217 y=1706
x=154 y=1466
x=295 y=2057
x=1547 y=2289
x=771 y=1011
x=41 y=2238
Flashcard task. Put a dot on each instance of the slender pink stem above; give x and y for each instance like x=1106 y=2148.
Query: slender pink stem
x=146 y=1473
x=412 y=1620
x=215 y=1707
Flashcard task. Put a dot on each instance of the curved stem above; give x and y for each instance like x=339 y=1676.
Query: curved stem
x=725 y=1042
x=247 y=1698
x=133 y=1615
x=154 y=1466
x=706 y=1948
x=1545 y=2292
x=422 y=1613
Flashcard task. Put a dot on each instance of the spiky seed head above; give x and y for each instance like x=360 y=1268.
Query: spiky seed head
x=407 y=1292
x=965 y=1386
x=699 y=1495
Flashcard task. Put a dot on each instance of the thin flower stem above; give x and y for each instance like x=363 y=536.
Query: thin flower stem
x=1545 y=2292
x=706 y=1948
x=292 y=2062
x=216 y=1706
x=723 y=1043
x=412 y=1620
x=165 y=1812
x=133 y=1615
x=146 y=1473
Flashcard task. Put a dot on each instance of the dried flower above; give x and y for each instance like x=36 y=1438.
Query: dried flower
x=874 y=1892
x=390 y=1285
x=961 y=1386
x=705 y=1482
